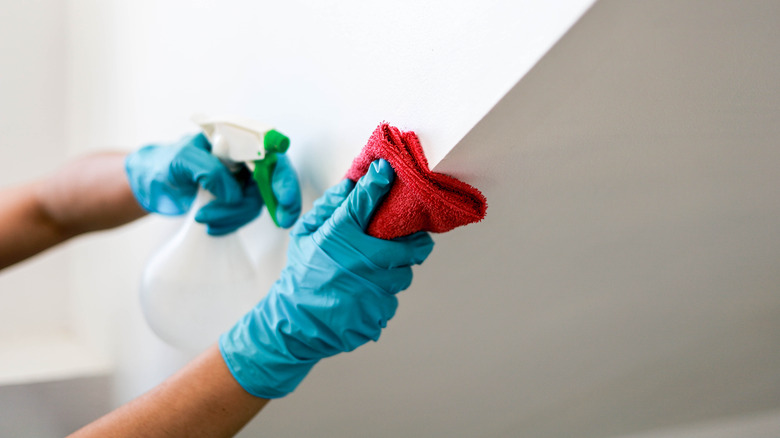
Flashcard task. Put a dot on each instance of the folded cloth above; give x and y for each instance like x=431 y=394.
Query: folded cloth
x=420 y=200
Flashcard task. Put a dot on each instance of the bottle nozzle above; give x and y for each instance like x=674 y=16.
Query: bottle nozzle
x=275 y=141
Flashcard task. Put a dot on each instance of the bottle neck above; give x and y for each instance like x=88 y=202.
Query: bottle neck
x=202 y=198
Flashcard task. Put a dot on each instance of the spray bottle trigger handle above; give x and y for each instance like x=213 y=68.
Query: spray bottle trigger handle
x=264 y=170
x=274 y=142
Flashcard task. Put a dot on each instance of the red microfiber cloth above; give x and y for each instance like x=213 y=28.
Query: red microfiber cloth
x=420 y=200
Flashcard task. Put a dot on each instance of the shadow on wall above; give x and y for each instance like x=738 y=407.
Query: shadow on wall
x=49 y=410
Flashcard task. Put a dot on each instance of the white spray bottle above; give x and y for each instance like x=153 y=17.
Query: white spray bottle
x=196 y=286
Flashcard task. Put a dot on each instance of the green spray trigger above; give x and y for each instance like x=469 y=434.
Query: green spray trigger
x=274 y=142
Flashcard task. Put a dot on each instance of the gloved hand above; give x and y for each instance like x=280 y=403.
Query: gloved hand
x=336 y=293
x=165 y=180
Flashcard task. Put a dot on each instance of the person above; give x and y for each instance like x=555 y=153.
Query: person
x=337 y=291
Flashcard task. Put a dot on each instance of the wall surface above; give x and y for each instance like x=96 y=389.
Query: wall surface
x=32 y=142
x=626 y=276
x=761 y=425
x=34 y=296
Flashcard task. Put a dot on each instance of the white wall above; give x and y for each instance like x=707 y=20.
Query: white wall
x=326 y=73
x=32 y=143
x=34 y=297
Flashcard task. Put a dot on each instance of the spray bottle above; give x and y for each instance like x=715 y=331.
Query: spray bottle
x=196 y=286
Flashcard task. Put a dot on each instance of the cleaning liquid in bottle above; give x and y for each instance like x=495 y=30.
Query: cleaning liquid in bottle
x=197 y=286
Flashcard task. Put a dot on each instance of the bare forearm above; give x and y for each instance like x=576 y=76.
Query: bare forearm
x=201 y=400
x=89 y=194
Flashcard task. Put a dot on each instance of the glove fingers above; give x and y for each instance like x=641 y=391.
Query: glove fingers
x=375 y=314
x=347 y=228
x=200 y=141
x=223 y=218
x=197 y=165
x=216 y=212
x=221 y=230
x=221 y=184
x=148 y=179
x=287 y=190
x=323 y=208
x=402 y=252
x=394 y=280
x=369 y=192
x=229 y=224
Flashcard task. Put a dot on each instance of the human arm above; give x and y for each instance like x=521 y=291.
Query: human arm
x=88 y=194
x=201 y=400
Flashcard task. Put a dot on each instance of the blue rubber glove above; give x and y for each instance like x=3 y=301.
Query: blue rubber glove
x=336 y=293
x=165 y=180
